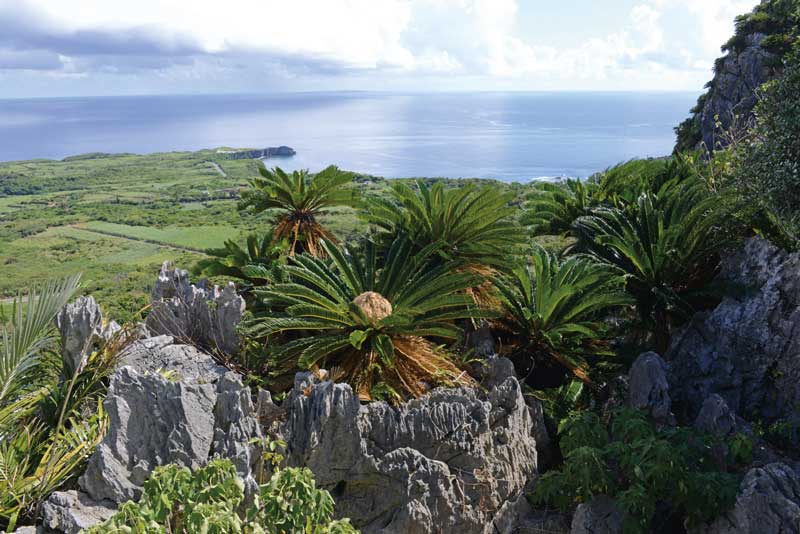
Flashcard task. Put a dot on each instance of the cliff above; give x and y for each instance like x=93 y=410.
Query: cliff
x=753 y=56
x=270 y=152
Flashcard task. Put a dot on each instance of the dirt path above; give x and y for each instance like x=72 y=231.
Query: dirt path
x=140 y=240
x=218 y=169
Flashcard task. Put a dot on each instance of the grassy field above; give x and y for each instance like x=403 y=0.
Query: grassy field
x=116 y=218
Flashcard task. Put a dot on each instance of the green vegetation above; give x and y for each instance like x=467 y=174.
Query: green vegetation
x=51 y=416
x=212 y=499
x=300 y=201
x=553 y=311
x=370 y=320
x=642 y=467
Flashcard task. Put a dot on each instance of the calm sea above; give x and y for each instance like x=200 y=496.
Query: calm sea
x=508 y=136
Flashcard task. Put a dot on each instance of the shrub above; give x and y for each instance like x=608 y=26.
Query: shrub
x=298 y=201
x=371 y=318
x=211 y=499
x=553 y=207
x=554 y=311
x=641 y=467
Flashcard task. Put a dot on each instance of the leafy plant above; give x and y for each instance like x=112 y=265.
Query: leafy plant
x=667 y=245
x=554 y=312
x=373 y=319
x=474 y=225
x=298 y=200
x=640 y=467
x=51 y=416
x=212 y=499
x=553 y=207
x=256 y=263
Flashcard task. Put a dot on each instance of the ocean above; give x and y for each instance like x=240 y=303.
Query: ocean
x=506 y=136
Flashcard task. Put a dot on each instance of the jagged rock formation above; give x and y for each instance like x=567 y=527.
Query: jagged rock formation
x=72 y=511
x=601 y=515
x=746 y=350
x=753 y=56
x=270 y=152
x=186 y=412
x=716 y=417
x=649 y=390
x=446 y=462
x=81 y=326
x=768 y=501
x=195 y=314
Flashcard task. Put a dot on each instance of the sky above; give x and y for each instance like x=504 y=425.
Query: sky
x=122 y=47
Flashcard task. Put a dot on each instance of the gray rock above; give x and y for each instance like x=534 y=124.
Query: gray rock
x=72 y=511
x=601 y=515
x=446 y=462
x=747 y=350
x=495 y=370
x=155 y=421
x=195 y=314
x=517 y=516
x=649 y=390
x=81 y=326
x=160 y=355
x=716 y=417
x=733 y=92
x=768 y=501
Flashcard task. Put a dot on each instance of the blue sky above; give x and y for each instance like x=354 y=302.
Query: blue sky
x=114 y=47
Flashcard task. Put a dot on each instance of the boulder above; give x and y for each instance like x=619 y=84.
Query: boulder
x=180 y=407
x=601 y=515
x=448 y=461
x=716 y=417
x=195 y=314
x=768 y=501
x=81 y=326
x=72 y=511
x=747 y=349
x=649 y=390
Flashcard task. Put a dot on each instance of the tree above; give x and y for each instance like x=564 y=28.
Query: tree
x=299 y=200
x=373 y=322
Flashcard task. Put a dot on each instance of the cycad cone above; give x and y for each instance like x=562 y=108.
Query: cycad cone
x=374 y=305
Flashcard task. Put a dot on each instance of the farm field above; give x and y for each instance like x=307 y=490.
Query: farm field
x=116 y=217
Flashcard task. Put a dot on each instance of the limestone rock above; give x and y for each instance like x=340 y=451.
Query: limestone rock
x=72 y=511
x=768 y=501
x=716 y=417
x=195 y=314
x=80 y=324
x=649 y=390
x=160 y=355
x=187 y=417
x=601 y=515
x=445 y=462
x=747 y=350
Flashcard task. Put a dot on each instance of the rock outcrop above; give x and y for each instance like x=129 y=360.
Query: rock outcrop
x=261 y=153
x=768 y=501
x=447 y=462
x=72 y=511
x=186 y=411
x=746 y=350
x=732 y=95
x=601 y=515
x=649 y=389
x=81 y=326
x=195 y=314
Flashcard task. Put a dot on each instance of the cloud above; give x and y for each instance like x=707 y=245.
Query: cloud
x=244 y=42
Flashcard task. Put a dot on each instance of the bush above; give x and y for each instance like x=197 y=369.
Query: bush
x=175 y=500
x=641 y=467
x=768 y=172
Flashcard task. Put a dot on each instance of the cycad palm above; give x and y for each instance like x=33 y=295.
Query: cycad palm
x=45 y=434
x=255 y=263
x=474 y=225
x=668 y=245
x=375 y=322
x=299 y=200
x=554 y=311
x=553 y=207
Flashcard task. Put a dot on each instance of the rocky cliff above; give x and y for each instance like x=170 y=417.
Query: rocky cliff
x=753 y=56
